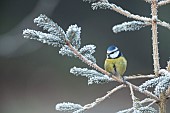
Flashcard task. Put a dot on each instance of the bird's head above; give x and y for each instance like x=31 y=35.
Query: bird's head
x=113 y=52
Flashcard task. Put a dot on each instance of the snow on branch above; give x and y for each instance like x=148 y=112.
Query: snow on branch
x=65 y=50
x=73 y=34
x=101 y=5
x=129 y=26
x=163 y=2
x=93 y=0
x=58 y=38
x=69 y=107
x=139 y=110
x=50 y=26
x=92 y=75
x=43 y=37
x=161 y=83
x=87 y=52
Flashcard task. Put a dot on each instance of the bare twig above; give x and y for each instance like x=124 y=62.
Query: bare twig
x=138 y=77
x=144 y=92
x=98 y=100
x=164 y=24
x=163 y=2
x=153 y=102
x=130 y=15
x=132 y=93
x=146 y=100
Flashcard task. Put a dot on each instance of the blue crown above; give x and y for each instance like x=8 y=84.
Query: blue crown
x=112 y=48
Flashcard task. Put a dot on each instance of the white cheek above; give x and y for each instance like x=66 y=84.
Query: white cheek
x=114 y=55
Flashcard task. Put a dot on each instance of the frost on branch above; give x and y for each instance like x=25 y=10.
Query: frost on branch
x=57 y=37
x=129 y=26
x=43 y=37
x=50 y=26
x=138 y=108
x=90 y=1
x=92 y=75
x=161 y=83
x=73 y=34
x=65 y=50
x=87 y=52
x=69 y=107
x=101 y=5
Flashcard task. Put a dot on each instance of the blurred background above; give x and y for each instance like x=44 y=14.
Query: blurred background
x=34 y=77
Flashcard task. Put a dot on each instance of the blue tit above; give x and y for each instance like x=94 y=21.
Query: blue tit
x=115 y=62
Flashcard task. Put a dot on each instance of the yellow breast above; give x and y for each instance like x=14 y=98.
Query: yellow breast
x=119 y=63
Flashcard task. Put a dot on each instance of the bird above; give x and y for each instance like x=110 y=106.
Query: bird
x=115 y=63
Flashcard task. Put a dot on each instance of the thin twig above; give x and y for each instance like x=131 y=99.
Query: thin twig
x=98 y=100
x=130 y=15
x=144 y=92
x=138 y=77
x=163 y=2
x=153 y=102
x=164 y=24
x=132 y=93
x=146 y=100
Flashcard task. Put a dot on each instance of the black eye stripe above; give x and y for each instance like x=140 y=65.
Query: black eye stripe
x=113 y=52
